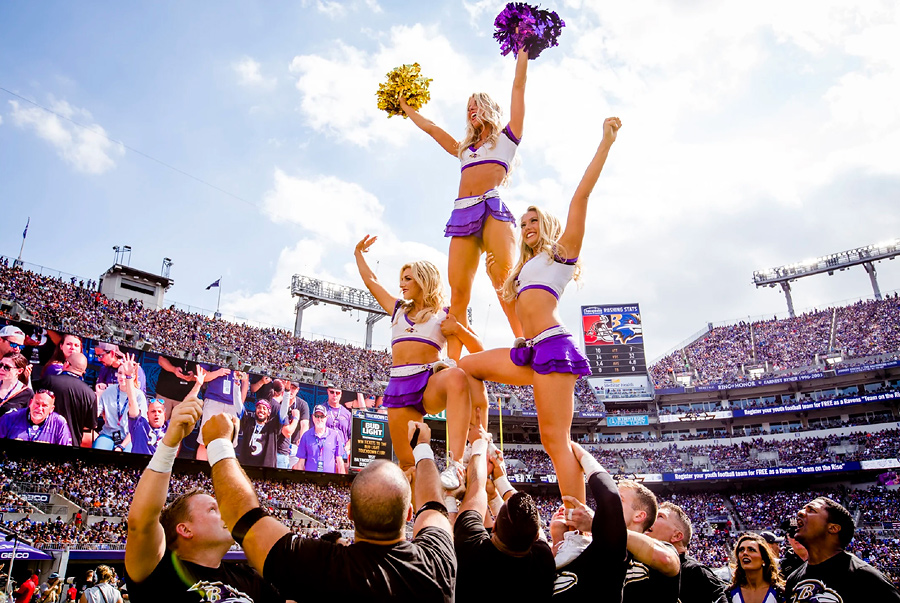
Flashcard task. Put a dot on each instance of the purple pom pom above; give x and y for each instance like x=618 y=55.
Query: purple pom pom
x=522 y=26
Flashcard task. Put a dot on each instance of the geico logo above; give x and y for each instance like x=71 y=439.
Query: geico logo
x=10 y=555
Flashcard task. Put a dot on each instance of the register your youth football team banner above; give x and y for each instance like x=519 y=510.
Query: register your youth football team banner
x=613 y=338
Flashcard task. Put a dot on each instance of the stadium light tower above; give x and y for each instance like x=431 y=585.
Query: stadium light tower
x=312 y=291
x=864 y=256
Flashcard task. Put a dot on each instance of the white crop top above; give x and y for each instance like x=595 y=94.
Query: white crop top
x=403 y=329
x=540 y=272
x=502 y=153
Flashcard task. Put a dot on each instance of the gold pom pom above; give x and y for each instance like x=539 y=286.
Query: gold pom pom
x=407 y=81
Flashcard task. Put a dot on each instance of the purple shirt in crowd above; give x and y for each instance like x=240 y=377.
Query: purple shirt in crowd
x=221 y=389
x=326 y=448
x=17 y=425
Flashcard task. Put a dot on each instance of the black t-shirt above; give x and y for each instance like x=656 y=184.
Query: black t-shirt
x=16 y=401
x=75 y=401
x=790 y=562
x=643 y=583
x=844 y=578
x=194 y=583
x=598 y=572
x=419 y=571
x=168 y=385
x=699 y=584
x=526 y=578
x=258 y=445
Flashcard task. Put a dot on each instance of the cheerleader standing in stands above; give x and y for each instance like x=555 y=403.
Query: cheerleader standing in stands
x=480 y=221
x=548 y=359
x=420 y=383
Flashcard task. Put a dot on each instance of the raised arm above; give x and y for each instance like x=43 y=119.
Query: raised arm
x=447 y=142
x=476 y=476
x=427 y=482
x=382 y=296
x=134 y=408
x=235 y=493
x=146 y=541
x=517 y=103
x=573 y=235
x=656 y=554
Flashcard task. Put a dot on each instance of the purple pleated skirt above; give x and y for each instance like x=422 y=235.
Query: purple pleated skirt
x=557 y=354
x=470 y=220
x=407 y=391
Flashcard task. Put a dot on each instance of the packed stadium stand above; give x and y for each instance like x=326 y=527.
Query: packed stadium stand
x=735 y=411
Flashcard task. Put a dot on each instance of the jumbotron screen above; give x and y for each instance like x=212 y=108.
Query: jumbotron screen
x=614 y=345
x=279 y=427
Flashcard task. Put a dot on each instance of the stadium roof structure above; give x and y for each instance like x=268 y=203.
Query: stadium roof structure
x=312 y=291
x=864 y=256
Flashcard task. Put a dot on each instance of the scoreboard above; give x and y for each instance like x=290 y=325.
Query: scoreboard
x=614 y=345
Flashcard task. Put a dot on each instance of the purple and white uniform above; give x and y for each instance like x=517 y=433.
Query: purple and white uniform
x=469 y=213
x=552 y=350
x=408 y=381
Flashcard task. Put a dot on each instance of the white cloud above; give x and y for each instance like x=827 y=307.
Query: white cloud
x=87 y=149
x=331 y=8
x=249 y=74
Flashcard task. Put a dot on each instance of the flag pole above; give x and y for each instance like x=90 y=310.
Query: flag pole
x=219 y=300
x=22 y=247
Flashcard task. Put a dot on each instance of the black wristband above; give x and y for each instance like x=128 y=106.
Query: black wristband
x=247 y=521
x=433 y=505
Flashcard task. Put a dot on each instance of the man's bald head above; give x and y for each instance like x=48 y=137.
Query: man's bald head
x=380 y=501
x=76 y=363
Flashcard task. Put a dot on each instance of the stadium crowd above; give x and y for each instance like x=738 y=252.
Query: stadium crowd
x=72 y=307
x=786 y=346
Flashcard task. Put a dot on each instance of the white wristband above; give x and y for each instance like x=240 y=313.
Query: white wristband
x=451 y=504
x=219 y=449
x=502 y=485
x=163 y=458
x=590 y=464
x=479 y=447
x=423 y=451
x=495 y=504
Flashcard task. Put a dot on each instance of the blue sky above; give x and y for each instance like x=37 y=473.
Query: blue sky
x=754 y=135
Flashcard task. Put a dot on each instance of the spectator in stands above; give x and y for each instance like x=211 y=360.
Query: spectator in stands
x=590 y=548
x=225 y=392
x=111 y=357
x=12 y=339
x=66 y=345
x=259 y=434
x=381 y=565
x=113 y=407
x=321 y=448
x=698 y=582
x=339 y=418
x=14 y=390
x=298 y=424
x=105 y=590
x=146 y=431
x=174 y=381
x=75 y=400
x=653 y=566
x=794 y=556
x=755 y=572
x=37 y=422
x=516 y=547
x=176 y=549
x=825 y=528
